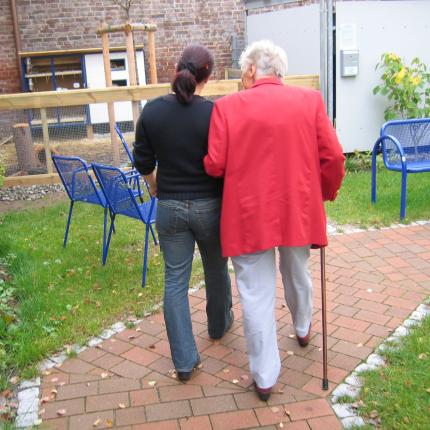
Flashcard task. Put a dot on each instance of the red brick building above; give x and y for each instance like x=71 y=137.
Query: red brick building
x=51 y=25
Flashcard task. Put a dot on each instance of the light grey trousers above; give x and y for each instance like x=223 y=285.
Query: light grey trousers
x=256 y=283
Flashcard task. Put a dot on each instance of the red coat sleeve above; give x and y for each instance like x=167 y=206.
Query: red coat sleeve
x=216 y=159
x=330 y=154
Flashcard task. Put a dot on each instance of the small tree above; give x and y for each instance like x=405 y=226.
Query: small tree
x=406 y=86
x=125 y=5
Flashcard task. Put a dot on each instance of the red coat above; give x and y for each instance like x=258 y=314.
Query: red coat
x=280 y=157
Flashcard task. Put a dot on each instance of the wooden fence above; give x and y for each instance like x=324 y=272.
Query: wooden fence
x=50 y=99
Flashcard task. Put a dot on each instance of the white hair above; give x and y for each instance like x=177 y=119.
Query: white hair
x=268 y=59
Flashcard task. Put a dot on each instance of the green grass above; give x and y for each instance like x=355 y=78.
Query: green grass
x=353 y=204
x=64 y=295
x=400 y=392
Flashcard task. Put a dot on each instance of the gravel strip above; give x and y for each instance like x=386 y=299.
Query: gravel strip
x=33 y=192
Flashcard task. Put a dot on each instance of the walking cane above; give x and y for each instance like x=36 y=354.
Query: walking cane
x=324 y=319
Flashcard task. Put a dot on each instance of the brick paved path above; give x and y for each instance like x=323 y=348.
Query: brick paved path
x=376 y=279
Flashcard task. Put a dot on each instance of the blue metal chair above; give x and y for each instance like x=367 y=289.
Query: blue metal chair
x=80 y=187
x=405 y=148
x=122 y=200
x=124 y=144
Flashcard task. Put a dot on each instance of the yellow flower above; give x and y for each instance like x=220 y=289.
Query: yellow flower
x=415 y=80
x=393 y=57
x=398 y=77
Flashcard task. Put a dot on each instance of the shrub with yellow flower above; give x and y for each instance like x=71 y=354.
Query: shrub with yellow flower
x=406 y=86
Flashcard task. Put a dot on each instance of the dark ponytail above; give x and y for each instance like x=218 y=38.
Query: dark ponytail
x=194 y=66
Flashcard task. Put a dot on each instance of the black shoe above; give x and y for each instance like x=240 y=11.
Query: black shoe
x=263 y=393
x=186 y=376
x=227 y=328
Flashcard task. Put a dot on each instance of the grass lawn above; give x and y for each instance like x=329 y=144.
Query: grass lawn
x=64 y=295
x=353 y=204
x=399 y=394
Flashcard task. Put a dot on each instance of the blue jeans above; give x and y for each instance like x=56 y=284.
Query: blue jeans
x=180 y=224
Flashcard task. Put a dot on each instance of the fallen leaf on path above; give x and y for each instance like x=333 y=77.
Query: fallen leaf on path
x=235 y=381
x=97 y=422
x=109 y=423
x=121 y=405
x=104 y=375
x=274 y=409
x=152 y=383
x=61 y=412
x=226 y=370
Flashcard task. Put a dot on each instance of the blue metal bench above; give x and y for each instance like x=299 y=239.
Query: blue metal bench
x=405 y=148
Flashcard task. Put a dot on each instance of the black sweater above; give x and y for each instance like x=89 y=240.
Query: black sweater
x=176 y=137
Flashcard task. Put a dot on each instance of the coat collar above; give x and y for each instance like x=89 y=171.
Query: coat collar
x=263 y=81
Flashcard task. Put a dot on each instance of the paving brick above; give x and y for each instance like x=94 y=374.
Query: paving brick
x=344 y=310
x=130 y=416
x=324 y=423
x=145 y=340
x=195 y=423
x=151 y=327
x=401 y=303
x=56 y=424
x=162 y=347
x=71 y=407
x=218 y=351
x=144 y=397
x=163 y=365
x=334 y=374
x=76 y=390
x=86 y=422
x=130 y=370
x=180 y=392
x=296 y=363
x=309 y=409
x=234 y=420
x=105 y=402
x=351 y=335
x=213 y=405
x=345 y=361
x=75 y=365
x=212 y=365
x=314 y=386
x=167 y=411
x=372 y=317
x=271 y=415
x=378 y=330
x=107 y=361
x=141 y=356
x=295 y=378
x=55 y=378
x=162 y=425
x=221 y=389
x=242 y=377
x=91 y=354
x=115 y=385
x=115 y=346
x=351 y=323
x=248 y=400
x=352 y=349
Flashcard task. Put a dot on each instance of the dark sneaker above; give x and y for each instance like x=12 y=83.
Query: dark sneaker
x=186 y=376
x=263 y=393
x=303 y=341
x=227 y=328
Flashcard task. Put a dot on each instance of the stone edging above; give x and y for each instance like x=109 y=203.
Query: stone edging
x=28 y=393
x=351 y=387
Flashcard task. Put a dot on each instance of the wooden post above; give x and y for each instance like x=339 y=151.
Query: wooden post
x=45 y=133
x=152 y=58
x=132 y=74
x=24 y=146
x=111 y=109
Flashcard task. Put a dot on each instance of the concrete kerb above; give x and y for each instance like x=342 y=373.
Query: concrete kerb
x=351 y=387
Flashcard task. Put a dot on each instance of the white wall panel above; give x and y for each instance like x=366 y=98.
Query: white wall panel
x=296 y=30
x=402 y=27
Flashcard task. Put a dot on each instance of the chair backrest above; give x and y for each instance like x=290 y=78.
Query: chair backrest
x=119 y=195
x=75 y=177
x=414 y=137
x=124 y=144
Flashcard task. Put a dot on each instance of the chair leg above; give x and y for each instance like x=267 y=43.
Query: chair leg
x=373 y=189
x=104 y=232
x=145 y=255
x=66 y=234
x=106 y=249
x=403 y=196
x=153 y=235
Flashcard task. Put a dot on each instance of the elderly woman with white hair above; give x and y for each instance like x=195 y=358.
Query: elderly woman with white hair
x=280 y=159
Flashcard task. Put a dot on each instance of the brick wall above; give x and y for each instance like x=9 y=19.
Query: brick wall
x=63 y=24
x=9 y=78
